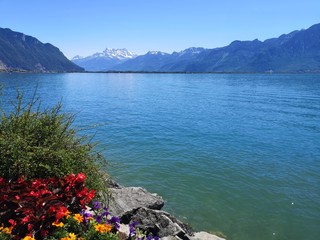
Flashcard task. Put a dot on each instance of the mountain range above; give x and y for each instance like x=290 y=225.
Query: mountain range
x=104 y=61
x=298 y=51
x=19 y=52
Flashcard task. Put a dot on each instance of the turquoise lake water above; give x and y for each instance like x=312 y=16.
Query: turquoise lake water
x=238 y=154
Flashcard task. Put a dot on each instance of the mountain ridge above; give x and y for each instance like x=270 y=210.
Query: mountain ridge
x=297 y=51
x=20 y=52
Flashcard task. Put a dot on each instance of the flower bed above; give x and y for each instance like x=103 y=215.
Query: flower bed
x=55 y=209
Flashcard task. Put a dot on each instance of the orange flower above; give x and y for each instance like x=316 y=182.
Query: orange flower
x=28 y=238
x=102 y=228
x=58 y=224
x=78 y=217
x=67 y=213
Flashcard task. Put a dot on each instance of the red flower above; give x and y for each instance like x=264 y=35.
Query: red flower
x=30 y=227
x=12 y=222
x=90 y=195
x=26 y=219
x=20 y=180
x=80 y=178
x=62 y=211
x=44 y=233
x=36 y=183
x=34 y=194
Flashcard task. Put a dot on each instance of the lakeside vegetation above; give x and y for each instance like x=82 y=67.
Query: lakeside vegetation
x=37 y=143
x=48 y=178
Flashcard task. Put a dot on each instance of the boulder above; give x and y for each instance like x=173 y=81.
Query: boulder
x=135 y=204
x=160 y=223
x=205 y=236
x=125 y=200
x=170 y=238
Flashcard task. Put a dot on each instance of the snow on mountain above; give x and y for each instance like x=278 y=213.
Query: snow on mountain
x=76 y=58
x=120 y=54
x=191 y=51
x=106 y=60
x=110 y=53
x=157 y=53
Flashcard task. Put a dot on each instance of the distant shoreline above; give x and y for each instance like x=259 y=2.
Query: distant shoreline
x=154 y=72
x=158 y=72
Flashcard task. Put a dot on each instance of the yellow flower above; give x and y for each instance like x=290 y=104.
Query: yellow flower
x=78 y=217
x=58 y=224
x=102 y=228
x=71 y=236
x=7 y=230
x=28 y=238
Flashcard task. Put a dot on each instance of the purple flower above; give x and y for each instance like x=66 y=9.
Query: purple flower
x=99 y=218
x=85 y=215
x=115 y=221
x=96 y=206
x=105 y=213
x=133 y=225
x=132 y=229
x=150 y=237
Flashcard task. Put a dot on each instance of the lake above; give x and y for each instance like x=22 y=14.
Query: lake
x=234 y=153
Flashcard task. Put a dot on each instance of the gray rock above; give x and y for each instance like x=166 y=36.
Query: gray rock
x=170 y=238
x=125 y=200
x=205 y=236
x=124 y=229
x=135 y=204
x=160 y=223
x=112 y=184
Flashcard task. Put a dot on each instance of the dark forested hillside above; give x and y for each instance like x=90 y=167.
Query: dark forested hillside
x=21 y=52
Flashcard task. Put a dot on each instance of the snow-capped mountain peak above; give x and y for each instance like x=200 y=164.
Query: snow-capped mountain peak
x=156 y=53
x=105 y=60
x=110 y=53
x=120 y=54
x=192 y=51
x=76 y=58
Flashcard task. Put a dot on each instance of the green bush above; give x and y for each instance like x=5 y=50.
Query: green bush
x=37 y=143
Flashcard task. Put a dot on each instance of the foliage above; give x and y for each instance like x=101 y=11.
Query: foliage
x=37 y=143
x=29 y=208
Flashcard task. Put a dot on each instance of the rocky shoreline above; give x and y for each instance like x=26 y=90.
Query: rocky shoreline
x=136 y=204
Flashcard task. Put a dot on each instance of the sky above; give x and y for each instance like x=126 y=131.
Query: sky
x=84 y=27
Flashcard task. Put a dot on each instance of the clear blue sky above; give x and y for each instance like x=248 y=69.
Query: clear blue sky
x=85 y=27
